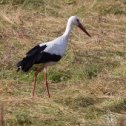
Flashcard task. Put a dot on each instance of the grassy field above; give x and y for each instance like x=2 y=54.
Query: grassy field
x=88 y=86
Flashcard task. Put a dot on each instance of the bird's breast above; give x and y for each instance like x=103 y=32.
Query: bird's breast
x=42 y=65
x=49 y=64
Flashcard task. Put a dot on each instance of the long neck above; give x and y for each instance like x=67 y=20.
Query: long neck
x=68 y=29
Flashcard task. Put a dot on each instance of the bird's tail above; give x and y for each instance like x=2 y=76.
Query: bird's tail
x=25 y=64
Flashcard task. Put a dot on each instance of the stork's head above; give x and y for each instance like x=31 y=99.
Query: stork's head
x=75 y=20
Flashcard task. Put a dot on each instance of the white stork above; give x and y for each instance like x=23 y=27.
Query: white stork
x=46 y=54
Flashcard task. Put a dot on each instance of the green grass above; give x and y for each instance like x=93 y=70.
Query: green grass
x=87 y=86
x=114 y=9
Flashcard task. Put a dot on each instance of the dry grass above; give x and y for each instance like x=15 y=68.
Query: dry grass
x=88 y=86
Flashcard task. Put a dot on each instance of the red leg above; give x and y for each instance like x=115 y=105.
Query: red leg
x=46 y=83
x=34 y=85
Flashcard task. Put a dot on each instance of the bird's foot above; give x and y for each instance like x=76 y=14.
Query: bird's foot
x=34 y=95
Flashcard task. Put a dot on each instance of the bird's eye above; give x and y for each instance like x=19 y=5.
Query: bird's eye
x=77 y=20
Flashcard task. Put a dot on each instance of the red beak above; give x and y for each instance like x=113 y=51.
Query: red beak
x=83 y=29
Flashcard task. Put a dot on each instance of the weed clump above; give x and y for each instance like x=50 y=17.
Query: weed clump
x=113 y=9
x=92 y=71
x=23 y=118
x=57 y=75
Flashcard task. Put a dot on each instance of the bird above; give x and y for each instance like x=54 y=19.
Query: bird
x=49 y=53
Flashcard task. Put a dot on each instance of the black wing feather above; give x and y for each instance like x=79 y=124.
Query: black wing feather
x=45 y=57
x=35 y=56
x=26 y=63
x=35 y=50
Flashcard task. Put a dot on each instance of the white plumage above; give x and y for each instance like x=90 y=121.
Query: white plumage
x=57 y=46
x=48 y=53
